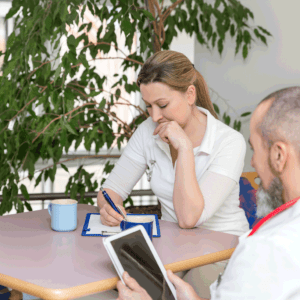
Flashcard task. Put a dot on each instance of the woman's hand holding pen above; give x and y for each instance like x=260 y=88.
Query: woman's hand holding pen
x=172 y=133
x=109 y=216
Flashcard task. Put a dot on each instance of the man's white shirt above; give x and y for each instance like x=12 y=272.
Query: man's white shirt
x=265 y=265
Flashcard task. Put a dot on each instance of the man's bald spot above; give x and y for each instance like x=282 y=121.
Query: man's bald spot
x=277 y=118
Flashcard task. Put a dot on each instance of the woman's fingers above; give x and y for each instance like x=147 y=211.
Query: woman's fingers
x=158 y=128
x=123 y=209
x=162 y=131
x=109 y=216
x=173 y=134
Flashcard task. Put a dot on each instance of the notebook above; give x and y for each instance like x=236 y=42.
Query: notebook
x=93 y=226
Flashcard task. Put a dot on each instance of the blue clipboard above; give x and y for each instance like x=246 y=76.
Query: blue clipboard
x=93 y=227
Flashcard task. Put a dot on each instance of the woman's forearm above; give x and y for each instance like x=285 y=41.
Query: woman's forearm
x=187 y=197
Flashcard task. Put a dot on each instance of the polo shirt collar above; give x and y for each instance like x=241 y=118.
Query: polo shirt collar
x=210 y=134
x=208 y=139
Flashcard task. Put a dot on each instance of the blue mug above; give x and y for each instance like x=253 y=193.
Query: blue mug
x=63 y=214
x=134 y=220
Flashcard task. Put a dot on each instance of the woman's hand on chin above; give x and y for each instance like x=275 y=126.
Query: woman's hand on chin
x=171 y=133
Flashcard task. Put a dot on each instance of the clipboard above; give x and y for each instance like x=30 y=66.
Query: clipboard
x=93 y=226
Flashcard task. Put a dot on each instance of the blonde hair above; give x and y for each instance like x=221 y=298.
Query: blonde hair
x=175 y=70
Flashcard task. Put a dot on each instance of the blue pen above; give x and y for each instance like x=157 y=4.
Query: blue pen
x=107 y=198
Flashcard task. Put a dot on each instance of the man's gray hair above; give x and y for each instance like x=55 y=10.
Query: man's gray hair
x=282 y=120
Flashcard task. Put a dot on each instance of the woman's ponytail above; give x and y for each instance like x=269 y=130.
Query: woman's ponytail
x=203 y=99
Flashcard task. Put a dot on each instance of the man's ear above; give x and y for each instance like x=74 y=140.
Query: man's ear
x=191 y=94
x=278 y=156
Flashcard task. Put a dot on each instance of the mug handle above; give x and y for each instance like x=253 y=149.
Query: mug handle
x=50 y=209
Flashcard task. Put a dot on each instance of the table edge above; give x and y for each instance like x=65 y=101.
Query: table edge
x=106 y=284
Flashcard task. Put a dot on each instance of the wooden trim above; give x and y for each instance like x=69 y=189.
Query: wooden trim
x=107 y=284
x=200 y=261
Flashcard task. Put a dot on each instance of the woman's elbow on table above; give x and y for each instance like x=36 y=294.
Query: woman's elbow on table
x=187 y=224
x=188 y=220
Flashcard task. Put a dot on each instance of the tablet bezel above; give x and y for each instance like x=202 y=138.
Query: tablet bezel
x=116 y=262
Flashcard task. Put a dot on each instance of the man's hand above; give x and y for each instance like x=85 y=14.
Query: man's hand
x=133 y=291
x=184 y=291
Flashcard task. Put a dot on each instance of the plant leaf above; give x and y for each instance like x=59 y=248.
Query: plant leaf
x=24 y=191
x=245 y=51
x=148 y=14
x=220 y=46
x=64 y=167
x=245 y=114
x=216 y=108
x=70 y=128
x=265 y=31
x=28 y=206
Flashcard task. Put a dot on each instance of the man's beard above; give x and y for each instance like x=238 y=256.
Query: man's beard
x=269 y=199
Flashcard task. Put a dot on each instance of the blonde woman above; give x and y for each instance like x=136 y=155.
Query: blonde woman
x=194 y=161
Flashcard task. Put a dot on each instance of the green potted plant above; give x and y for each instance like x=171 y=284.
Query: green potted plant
x=76 y=103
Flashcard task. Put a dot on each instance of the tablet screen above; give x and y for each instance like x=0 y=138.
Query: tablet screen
x=137 y=259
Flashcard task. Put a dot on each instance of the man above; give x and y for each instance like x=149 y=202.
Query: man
x=266 y=264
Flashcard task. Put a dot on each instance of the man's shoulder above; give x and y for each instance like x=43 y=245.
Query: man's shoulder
x=263 y=261
x=283 y=236
x=289 y=231
x=285 y=224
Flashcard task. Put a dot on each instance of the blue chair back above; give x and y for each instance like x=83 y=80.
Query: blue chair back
x=248 y=199
x=4 y=293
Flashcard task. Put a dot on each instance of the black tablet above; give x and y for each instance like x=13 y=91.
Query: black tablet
x=132 y=250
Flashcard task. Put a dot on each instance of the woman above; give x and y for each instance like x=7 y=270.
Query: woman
x=194 y=161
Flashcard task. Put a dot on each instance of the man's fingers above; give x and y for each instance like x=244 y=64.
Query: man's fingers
x=131 y=282
x=120 y=285
x=182 y=287
x=174 y=278
x=124 y=291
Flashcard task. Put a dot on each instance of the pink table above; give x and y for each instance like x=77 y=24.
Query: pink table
x=55 y=265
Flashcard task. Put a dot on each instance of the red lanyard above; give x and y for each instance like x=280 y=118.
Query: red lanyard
x=273 y=213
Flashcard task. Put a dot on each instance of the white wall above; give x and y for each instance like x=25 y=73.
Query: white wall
x=266 y=69
x=185 y=44
x=4 y=9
